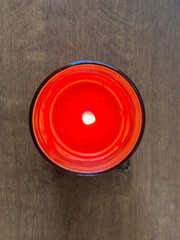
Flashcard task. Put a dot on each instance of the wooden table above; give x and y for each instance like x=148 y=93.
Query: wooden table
x=142 y=38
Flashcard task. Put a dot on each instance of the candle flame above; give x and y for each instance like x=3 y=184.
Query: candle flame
x=88 y=118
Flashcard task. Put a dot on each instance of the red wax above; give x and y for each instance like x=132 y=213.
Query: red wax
x=87 y=118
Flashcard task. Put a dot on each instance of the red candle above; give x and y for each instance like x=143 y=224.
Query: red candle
x=87 y=117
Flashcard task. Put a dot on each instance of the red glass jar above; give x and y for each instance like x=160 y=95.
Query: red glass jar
x=87 y=118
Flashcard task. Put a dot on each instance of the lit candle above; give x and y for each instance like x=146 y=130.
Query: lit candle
x=87 y=118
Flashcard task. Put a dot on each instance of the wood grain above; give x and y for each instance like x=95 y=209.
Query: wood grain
x=140 y=37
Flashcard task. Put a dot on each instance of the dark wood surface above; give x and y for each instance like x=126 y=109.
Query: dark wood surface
x=140 y=37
